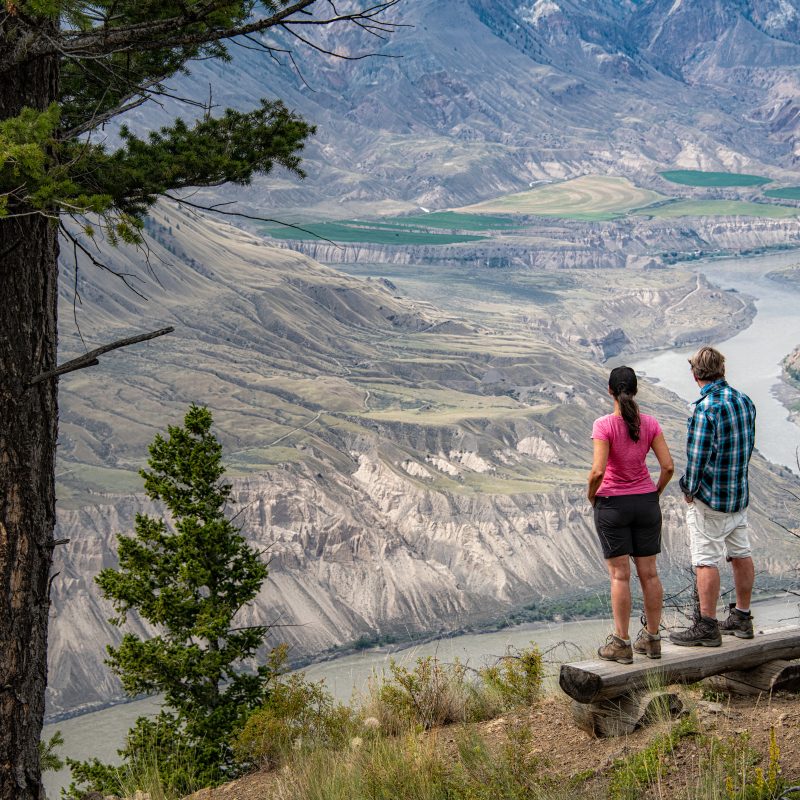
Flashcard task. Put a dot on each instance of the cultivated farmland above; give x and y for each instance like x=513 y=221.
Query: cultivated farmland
x=718 y=208
x=590 y=197
x=786 y=193
x=696 y=177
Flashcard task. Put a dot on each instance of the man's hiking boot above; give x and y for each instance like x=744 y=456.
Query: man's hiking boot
x=704 y=633
x=738 y=623
x=616 y=650
x=648 y=644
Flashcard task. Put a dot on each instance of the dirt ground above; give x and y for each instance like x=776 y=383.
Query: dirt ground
x=566 y=750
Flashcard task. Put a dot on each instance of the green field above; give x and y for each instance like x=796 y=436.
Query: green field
x=718 y=208
x=367 y=233
x=590 y=197
x=406 y=230
x=455 y=221
x=696 y=177
x=787 y=193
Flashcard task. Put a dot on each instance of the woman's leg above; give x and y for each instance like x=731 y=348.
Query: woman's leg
x=619 y=569
x=651 y=590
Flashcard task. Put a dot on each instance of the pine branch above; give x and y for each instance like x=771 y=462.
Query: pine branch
x=326 y=52
x=170 y=33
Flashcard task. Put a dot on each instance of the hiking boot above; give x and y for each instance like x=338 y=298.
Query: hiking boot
x=648 y=644
x=704 y=633
x=616 y=650
x=738 y=623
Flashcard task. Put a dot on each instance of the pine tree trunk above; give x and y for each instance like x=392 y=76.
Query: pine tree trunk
x=28 y=424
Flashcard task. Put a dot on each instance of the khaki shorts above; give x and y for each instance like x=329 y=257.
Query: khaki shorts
x=716 y=533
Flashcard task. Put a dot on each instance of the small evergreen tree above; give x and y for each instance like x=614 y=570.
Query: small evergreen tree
x=189 y=580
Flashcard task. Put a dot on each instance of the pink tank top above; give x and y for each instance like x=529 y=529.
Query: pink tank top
x=626 y=471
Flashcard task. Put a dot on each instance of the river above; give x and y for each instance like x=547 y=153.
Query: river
x=753 y=357
x=753 y=364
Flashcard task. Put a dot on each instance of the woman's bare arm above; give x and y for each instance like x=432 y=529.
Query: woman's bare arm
x=598 y=470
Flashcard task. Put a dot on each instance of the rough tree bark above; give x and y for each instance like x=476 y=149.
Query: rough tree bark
x=28 y=337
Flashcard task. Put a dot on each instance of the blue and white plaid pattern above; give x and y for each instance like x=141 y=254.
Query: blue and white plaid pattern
x=719 y=443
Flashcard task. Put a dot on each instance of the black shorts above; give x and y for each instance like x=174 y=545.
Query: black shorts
x=628 y=524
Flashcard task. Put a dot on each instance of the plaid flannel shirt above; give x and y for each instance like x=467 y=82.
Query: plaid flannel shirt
x=719 y=443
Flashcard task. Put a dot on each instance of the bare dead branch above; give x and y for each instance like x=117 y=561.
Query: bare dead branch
x=90 y=359
x=324 y=51
x=78 y=245
x=99 y=119
x=794 y=533
x=216 y=210
x=50 y=582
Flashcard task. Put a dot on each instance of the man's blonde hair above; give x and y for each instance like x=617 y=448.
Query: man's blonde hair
x=708 y=364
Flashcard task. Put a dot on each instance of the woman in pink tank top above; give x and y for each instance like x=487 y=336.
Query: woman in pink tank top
x=627 y=514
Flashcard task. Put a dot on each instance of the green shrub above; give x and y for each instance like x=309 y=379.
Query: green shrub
x=159 y=759
x=298 y=715
x=728 y=769
x=429 y=695
x=734 y=765
x=513 y=773
x=404 y=768
x=433 y=693
x=412 y=767
x=517 y=677
x=164 y=769
x=631 y=776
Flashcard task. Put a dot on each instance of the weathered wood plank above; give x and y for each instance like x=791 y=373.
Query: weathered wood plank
x=589 y=681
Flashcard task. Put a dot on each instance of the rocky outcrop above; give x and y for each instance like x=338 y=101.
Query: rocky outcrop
x=539 y=448
x=630 y=319
x=791 y=365
x=788 y=390
x=788 y=275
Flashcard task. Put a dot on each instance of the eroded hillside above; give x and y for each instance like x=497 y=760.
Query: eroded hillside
x=409 y=468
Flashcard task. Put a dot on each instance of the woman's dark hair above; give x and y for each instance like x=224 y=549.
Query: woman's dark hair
x=623 y=385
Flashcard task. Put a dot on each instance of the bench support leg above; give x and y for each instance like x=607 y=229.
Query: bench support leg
x=622 y=715
x=774 y=676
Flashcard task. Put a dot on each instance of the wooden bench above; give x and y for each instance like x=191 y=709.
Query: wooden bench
x=612 y=699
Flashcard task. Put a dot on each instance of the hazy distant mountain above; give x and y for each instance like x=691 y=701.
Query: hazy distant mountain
x=480 y=97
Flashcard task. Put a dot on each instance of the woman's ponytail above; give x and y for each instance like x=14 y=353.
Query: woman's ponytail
x=623 y=385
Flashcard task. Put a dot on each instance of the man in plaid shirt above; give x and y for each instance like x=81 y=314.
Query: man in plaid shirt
x=721 y=434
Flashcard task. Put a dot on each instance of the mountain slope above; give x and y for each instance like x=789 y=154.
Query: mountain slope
x=480 y=97
x=407 y=471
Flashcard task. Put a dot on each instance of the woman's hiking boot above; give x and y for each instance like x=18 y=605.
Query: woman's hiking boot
x=738 y=623
x=704 y=633
x=615 y=649
x=648 y=644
